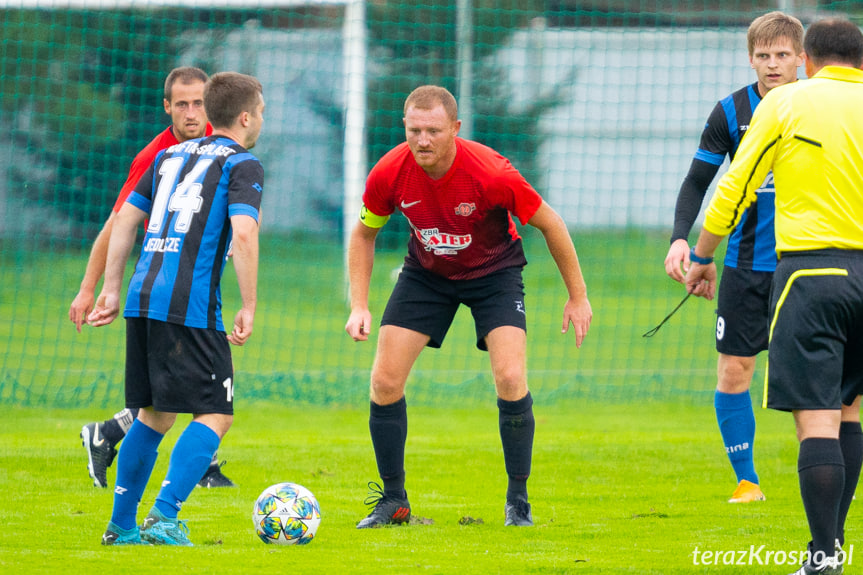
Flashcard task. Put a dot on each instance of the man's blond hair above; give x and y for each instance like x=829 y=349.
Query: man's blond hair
x=429 y=97
x=768 y=29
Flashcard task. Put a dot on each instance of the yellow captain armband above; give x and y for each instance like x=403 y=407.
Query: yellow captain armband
x=372 y=220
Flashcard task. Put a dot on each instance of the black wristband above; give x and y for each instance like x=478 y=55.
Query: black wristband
x=699 y=259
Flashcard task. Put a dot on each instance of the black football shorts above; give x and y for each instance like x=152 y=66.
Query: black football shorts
x=742 y=309
x=815 y=359
x=178 y=369
x=426 y=303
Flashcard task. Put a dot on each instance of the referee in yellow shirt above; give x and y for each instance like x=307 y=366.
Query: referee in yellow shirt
x=810 y=133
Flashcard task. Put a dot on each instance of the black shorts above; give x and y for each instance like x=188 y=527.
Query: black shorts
x=742 y=312
x=178 y=369
x=815 y=359
x=426 y=303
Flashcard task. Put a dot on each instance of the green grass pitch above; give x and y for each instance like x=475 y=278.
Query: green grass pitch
x=636 y=488
x=629 y=472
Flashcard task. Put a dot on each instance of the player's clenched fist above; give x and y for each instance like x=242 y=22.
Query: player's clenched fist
x=359 y=325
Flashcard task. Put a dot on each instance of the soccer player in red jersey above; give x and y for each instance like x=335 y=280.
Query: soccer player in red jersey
x=459 y=197
x=184 y=103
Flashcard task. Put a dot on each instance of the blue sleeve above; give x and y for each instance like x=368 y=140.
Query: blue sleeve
x=245 y=185
x=139 y=201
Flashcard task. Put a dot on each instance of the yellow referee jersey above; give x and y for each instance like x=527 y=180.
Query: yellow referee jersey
x=810 y=133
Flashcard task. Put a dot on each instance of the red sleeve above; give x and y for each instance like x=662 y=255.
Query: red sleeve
x=142 y=161
x=525 y=199
x=378 y=196
x=505 y=186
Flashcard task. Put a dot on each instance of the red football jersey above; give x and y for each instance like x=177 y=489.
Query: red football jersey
x=144 y=158
x=461 y=223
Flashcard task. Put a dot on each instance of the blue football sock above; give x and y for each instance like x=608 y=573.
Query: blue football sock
x=135 y=463
x=737 y=426
x=189 y=461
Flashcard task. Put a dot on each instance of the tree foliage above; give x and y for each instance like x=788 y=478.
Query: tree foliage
x=417 y=44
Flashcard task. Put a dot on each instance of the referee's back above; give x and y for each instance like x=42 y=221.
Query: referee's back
x=819 y=162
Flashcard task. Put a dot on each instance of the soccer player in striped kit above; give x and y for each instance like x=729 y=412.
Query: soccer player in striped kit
x=775 y=52
x=810 y=134
x=459 y=197
x=202 y=199
x=184 y=103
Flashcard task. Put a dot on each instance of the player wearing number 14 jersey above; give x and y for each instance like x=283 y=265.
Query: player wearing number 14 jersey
x=198 y=197
x=184 y=103
x=187 y=226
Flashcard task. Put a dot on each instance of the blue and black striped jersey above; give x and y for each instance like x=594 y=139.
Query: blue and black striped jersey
x=190 y=192
x=752 y=244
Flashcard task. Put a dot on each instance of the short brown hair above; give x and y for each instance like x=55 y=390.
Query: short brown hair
x=768 y=29
x=428 y=97
x=229 y=94
x=834 y=40
x=184 y=75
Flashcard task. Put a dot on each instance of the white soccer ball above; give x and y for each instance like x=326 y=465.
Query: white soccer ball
x=286 y=514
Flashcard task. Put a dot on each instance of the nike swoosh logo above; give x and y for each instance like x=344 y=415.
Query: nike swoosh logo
x=405 y=206
x=97 y=441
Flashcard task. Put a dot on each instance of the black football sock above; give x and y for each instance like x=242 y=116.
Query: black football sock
x=851 y=441
x=821 y=471
x=388 y=425
x=115 y=429
x=517 y=425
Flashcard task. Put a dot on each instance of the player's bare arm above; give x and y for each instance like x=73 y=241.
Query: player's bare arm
x=577 y=310
x=700 y=280
x=361 y=255
x=82 y=305
x=677 y=260
x=245 y=256
x=119 y=247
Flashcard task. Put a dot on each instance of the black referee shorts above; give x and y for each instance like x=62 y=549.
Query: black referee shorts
x=426 y=303
x=178 y=369
x=815 y=358
x=742 y=312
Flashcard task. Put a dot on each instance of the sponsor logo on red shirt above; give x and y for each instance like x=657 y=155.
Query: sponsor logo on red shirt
x=465 y=209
